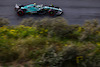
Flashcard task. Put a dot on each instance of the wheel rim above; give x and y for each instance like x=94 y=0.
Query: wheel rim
x=52 y=13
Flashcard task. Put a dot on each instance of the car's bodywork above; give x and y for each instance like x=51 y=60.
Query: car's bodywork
x=40 y=9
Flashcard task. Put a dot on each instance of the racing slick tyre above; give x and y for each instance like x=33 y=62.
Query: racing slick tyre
x=52 y=12
x=42 y=12
x=20 y=12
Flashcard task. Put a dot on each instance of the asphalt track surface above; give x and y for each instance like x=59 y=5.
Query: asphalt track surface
x=75 y=11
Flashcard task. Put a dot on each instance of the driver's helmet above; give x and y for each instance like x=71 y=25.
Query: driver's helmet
x=34 y=3
x=51 y=5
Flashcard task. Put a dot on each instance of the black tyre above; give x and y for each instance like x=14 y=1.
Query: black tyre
x=20 y=13
x=52 y=12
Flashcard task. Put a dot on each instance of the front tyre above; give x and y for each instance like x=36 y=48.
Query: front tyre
x=52 y=12
x=20 y=13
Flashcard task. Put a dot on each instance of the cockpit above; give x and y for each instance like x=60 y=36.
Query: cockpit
x=39 y=6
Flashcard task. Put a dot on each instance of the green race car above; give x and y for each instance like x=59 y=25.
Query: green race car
x=39 y=9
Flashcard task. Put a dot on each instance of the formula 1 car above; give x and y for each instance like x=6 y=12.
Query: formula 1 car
x=39 y=9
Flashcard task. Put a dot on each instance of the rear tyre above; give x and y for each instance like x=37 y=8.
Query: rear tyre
x=20 y=13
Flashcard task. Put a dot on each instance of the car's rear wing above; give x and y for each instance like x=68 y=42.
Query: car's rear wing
x=16 y=6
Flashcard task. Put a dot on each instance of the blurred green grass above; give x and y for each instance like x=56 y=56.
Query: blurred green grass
x=46 y=42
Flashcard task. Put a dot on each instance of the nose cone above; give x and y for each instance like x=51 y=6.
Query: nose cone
x=60 y=9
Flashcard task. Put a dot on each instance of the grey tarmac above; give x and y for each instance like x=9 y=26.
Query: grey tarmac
x=75 y=11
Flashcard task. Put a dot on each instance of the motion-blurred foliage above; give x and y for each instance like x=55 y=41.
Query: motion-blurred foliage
x=50 y=43
x=3 y=21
